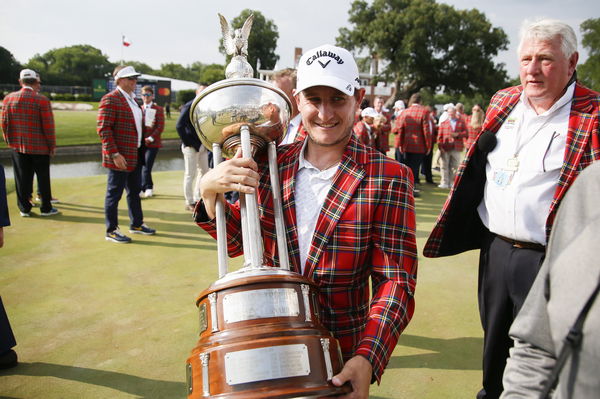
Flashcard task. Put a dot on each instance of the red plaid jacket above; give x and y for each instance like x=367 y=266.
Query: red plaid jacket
x=383 y=138
x=446 y=142
x=366 y=228
x=458 y=227
x=156 y=130
x=116 y=128
x=28 y=122
x=412 y=128
x=364 y=135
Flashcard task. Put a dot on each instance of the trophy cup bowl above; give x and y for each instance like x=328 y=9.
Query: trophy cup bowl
x=220 y=110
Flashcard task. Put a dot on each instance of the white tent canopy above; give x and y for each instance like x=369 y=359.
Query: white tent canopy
x=176 y=84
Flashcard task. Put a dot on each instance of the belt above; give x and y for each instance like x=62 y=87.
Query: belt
x=523 y=244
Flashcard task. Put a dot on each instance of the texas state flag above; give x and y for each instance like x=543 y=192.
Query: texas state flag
x=126 y=41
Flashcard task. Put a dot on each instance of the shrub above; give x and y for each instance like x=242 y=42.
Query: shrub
x=183 y=96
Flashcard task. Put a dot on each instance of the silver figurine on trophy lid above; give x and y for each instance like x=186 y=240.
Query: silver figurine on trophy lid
x=260 y=334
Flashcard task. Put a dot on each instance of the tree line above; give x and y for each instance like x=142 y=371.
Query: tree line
x=422 y=45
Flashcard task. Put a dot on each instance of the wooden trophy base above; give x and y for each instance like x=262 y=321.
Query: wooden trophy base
x=260 y=337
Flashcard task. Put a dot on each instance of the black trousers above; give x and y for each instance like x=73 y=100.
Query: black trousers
x=7 y=339
x=24 y=166
x=414 y=161
x=505 y=277
x=426 y=167
x=150 y=156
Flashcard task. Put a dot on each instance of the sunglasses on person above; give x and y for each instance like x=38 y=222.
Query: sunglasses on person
x=146 y=94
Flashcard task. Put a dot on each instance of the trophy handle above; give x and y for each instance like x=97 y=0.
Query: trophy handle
x=284 y=261
x=220 y=214
x=255 y=244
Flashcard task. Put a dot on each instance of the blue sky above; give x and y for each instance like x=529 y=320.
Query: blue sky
x=184 y=31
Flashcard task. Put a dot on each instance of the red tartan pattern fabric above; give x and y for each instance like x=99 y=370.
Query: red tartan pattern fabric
x=301 y=133
x=28 y=122
x=363 y=134
x=453 y=231
x=446 y=141
x=472 y=134
x=156 y=130
x=116 y=128
x=366 y=228
x=412 y=128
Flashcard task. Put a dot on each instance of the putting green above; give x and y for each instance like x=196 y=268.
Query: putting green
x=94 y=319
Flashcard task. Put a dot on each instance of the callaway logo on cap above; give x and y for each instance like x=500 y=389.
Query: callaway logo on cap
x=328 y=65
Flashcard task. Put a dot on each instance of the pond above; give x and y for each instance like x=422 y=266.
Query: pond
x=90 y=164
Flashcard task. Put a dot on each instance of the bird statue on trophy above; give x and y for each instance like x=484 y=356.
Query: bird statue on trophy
x=236 y=44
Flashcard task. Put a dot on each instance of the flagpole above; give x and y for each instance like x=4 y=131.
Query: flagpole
x=122 y=38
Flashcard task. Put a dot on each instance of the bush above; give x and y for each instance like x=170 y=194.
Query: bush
x=183 y=96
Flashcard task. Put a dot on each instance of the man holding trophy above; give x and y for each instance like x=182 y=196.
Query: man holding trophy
x=349 y=212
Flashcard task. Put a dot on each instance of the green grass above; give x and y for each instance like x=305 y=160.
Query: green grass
x=95 y=319
x=79 y=128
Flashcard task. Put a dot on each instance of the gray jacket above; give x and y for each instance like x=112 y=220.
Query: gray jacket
x=567 y=278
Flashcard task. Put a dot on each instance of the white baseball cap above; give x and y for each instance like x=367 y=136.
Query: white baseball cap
x=369 y=111
x=399 y=105
x=330 y=66
x=29 y=74
x=126 y=72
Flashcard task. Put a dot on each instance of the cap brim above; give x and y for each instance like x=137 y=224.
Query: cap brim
x=329 y=81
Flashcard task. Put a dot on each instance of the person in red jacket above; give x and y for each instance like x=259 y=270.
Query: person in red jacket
x=451 y=134
x=349 y=212
x=28 y=127
x=536 y=139
x=119 y=126
x=364 y=130
x=154 y=124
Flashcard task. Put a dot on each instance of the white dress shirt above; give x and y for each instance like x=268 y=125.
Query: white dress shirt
x=137 y=113
x=312 y=186
x=292 y=130
x=517 y=198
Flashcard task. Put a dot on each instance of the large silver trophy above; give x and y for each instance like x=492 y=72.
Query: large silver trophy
x=260 y=334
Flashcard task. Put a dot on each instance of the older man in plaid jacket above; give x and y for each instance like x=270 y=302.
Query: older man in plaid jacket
x=28 y=126
x=119 y=126
x=349 y=214
x=536 y=139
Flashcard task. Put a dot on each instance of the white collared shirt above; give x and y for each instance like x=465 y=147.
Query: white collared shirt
x=312 y=186
x=292 y=130
x=518 y=205
x=137 y=113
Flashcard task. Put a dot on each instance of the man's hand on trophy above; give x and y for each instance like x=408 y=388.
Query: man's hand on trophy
x=236 y=174
x=358 y=371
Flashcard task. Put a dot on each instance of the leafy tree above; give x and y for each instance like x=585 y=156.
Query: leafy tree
x=212 y=73
x=141 y=67
x=176 y=71
x=262 y=41
x=9 y=67
x=75 y=65
x=589 y=71
x=428 y=45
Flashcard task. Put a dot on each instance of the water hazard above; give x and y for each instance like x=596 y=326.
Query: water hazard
x=90 y=164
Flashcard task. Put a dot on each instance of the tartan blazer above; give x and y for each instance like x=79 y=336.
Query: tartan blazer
x=363 y=134
x=116 y=127
x=458 y=227
x=412 y=128
x=156 y=130
x=28 y=122
x=366 y=228
x=444 y=138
